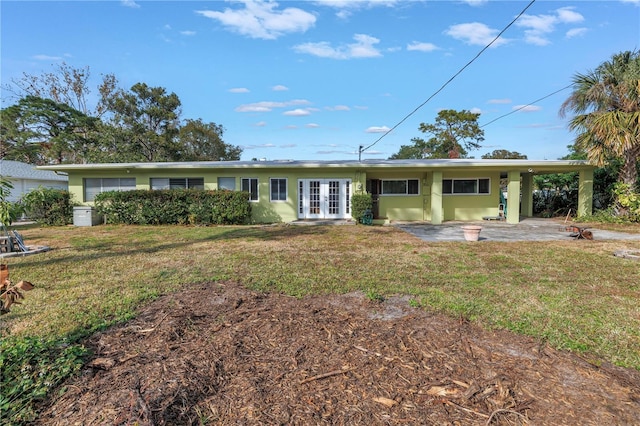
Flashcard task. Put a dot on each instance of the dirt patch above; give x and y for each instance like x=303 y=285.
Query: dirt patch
x=220 y=354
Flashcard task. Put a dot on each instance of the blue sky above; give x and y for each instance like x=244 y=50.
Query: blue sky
x=312 y=80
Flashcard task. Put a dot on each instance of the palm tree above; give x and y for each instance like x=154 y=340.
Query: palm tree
x=606 y=103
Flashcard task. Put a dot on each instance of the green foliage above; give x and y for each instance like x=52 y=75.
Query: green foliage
x=174 y=207
x=628 y=201
x=374 y=296
x=504 y=155
x=453 y=133
x=53 y=123
x=8 y=212
x=30 y=367
x=203 y=142
x=48 y=206
x=606 y=105
x=360 y=203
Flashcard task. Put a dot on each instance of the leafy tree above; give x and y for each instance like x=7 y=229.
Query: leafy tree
x=453 y=133
x=201 y=141
x=45 y=131
x=149 y=118
x=503 y=154
x=606 y=104
x=15 y=137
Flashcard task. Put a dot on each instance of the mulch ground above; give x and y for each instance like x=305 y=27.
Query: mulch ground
x=221 y=354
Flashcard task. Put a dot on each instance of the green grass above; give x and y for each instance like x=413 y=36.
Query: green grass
x=572 y=294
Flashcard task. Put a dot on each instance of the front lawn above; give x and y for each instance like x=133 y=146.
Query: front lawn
x=574 y=295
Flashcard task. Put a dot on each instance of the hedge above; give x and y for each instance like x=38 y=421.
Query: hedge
x=174 y=207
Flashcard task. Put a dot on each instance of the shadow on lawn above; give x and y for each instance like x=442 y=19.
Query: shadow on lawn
x=105 y=249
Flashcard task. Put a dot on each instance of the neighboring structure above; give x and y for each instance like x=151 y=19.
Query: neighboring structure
x=25 y=177
x=403 y=190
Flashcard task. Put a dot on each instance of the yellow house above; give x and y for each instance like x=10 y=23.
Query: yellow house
x=290 y=190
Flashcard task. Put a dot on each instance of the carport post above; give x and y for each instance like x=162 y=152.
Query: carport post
x=585 y=192
x=527 y=194
x=436 y=198
x=513 y=197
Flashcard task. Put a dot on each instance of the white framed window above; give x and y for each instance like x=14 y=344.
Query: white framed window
x=278 y=189
x=250 y=185
x=466 y=186
x=94 y=186
x=400 y=187
x=228 y=183
x=177 y=183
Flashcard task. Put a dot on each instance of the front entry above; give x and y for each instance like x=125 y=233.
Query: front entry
x=324 y=198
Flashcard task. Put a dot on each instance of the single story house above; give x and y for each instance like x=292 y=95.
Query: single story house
x=290 y=190
x=26 y=177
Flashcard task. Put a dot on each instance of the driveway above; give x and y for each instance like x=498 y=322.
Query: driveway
x=529 y=229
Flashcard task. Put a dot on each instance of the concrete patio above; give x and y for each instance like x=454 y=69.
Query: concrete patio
x=529 y=229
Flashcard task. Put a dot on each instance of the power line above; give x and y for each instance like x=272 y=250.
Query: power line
x=529 y=104
x=448 y=81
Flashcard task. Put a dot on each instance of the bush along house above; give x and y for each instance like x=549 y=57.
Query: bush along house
x=402 y=190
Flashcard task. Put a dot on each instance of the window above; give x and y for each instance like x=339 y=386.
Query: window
x=278 y=189
x=401 y=187
x=250 y=185
x=228 y=183
x=94 y=186
x=177 y=183
x=466 y=186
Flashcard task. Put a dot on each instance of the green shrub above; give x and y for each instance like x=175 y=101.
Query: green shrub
x=48 y=206
x=174 y=207
x=360 y=203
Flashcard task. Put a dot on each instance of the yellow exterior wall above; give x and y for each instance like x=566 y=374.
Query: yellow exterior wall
x=429 y=205
x=472 y=207
x=263 y=211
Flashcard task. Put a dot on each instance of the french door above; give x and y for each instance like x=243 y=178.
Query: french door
x=324 y=198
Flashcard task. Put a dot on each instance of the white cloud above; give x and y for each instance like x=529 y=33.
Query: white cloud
x=476 y=2
x=312 y=125
x=260 y=124
x=47 y=58
x=476 y=110
x=262 y=19
x=566 y=15
x=279 y=88
x=298 y=112
x=268 y=106
x=362 y=48
x=338 y=108
x=347 y=7
x=377 y=129
x=539 y=27
x=499 y=101
x=130 y=3
x=239 y=90
x=188 y=33
x=576 y=32
x=475 y=33
x=422 y=47
x=526 y=108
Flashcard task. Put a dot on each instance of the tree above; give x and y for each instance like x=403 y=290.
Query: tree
x=453 y=133
x=149 y=118
x=606 y=104
x=503 y=154
x=65 y=85
x=45 y=131
x=201 y=141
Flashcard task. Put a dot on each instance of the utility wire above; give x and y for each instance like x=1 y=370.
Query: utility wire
x=529 y=104
x=361 y=150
